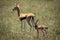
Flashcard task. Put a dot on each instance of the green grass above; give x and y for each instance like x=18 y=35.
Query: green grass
x=47 y=11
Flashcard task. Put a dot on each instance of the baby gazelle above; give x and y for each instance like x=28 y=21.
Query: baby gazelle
x=40 y=27
x=43 y=28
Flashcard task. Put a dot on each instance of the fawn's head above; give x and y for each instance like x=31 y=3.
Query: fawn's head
x=36 y=23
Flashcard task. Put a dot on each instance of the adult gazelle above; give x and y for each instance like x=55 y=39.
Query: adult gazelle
x=29 y=17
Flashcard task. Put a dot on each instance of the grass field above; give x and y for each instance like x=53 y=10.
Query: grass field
x=47 y=11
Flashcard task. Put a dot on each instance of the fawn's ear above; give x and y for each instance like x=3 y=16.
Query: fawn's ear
x=36 y=21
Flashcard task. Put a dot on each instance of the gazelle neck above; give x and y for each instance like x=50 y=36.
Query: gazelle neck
x=18 y=11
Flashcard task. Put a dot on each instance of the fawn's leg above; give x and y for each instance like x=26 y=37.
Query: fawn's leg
x=37 y=33
x=46 y=35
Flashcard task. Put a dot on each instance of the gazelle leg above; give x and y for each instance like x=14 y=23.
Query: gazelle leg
x=24 y=25
x=43 y=32
x=32 y=22
x=21 y=25
x=46 y=36
x=37 y=33
x=30 y=28
x=28 y=21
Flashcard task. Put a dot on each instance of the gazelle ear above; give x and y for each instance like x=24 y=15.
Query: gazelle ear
x=17 y=4
x=14 y=4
